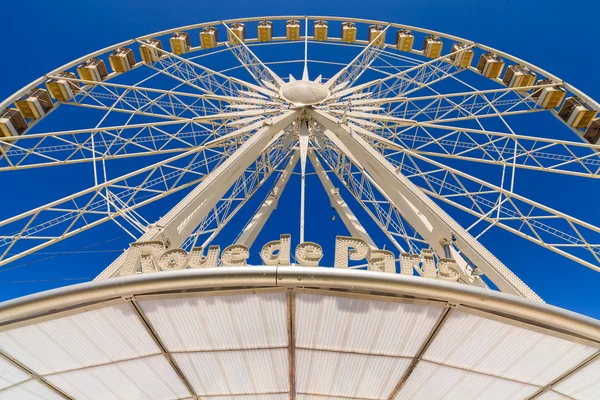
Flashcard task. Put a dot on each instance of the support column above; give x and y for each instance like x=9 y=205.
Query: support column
x=424 y=215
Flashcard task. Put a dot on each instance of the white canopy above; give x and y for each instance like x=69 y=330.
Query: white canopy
x=273 y=333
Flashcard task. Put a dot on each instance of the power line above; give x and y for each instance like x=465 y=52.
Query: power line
x=6 y=269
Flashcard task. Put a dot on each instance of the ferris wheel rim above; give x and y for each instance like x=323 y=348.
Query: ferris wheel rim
x=10 y=99
x=275 y=95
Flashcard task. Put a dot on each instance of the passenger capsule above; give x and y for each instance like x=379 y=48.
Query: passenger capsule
x=292 y=30
x=461 y=57
x=517 y=76
x=550 y=96
x=236 y=33
x=377 y=35
x=592 y=132
x=121 y=60
x=490 y=65
x=348 y=32
x=35 y=104
x=576 y=112
x=12 y=123
x=209 y=37
x=265 y=31
x=149 y=50
x=92 y=70
x=320 y=30
x=62 y=89
x=432 y=46
x=180 y=43
x=405 y=40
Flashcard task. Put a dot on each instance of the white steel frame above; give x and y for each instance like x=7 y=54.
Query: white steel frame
x=223 y=137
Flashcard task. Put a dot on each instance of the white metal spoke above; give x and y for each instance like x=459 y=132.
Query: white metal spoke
x=262 y=74
x=164 y=137
x=547 y=227
x=64 y=218
x=202 y=78
x=407 y=81
x=244 y=188
x=350 y=221
x=350 y=74
x=175 y=227
x=255 y=224
x=432 y=223
x=496 y=148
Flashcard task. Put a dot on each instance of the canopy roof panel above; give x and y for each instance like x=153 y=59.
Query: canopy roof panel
x=272 y=333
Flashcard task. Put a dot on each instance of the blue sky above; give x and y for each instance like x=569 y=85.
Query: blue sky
x=46 y=42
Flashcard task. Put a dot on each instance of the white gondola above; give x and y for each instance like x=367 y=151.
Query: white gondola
x=377 y=35
x=35 y=104
x=432 y=46
x=62 y=89
x=92 y=70
x=265 y=31
x=236 y=33
x=180 y=43
x=292 y=30
x=12 y=123
x=405 y=40
x=461 y=55
x=517 y=76
x=348 y=32
x=576 y=113
x=321 y=30
x=149 y=50
x=209 y=37
x=121 y=60
x=550 y=96
x=490 y=65
x=592 y=132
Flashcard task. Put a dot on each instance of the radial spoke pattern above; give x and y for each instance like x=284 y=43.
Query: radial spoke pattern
x=217 y=121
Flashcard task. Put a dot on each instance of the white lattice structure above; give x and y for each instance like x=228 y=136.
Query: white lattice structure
x=189 y=130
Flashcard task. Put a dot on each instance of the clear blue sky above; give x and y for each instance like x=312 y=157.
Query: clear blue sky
x=38 y=38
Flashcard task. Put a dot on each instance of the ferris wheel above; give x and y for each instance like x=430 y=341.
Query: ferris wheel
x=413 y=126
x=423 y=142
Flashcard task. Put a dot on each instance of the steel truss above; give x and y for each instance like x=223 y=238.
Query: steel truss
x=394 y=143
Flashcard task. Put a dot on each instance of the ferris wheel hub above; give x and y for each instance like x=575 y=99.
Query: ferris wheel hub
x=304 y=92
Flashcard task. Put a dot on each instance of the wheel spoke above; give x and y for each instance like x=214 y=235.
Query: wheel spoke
x=517 y=214
x=408 y=81
x=73 y=214
x=497 y=148
x=262 y=74
x=350 y=74
x=202 y=78
x=247 y=185
x=155 y=138
x=175 y=227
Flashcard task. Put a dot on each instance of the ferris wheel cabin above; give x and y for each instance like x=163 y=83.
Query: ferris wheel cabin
x=93 y=70
x=405 y=40
x=321 y=30
x=236 y=33
x=265 y=31
x=35 y=104
x=180 y=43
x=432 y=46
x=63 y=88
x=461 y=55
x=209 y=36
x=121 y=60
x=12 y=123
x=348 y=32
x=150 y=50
